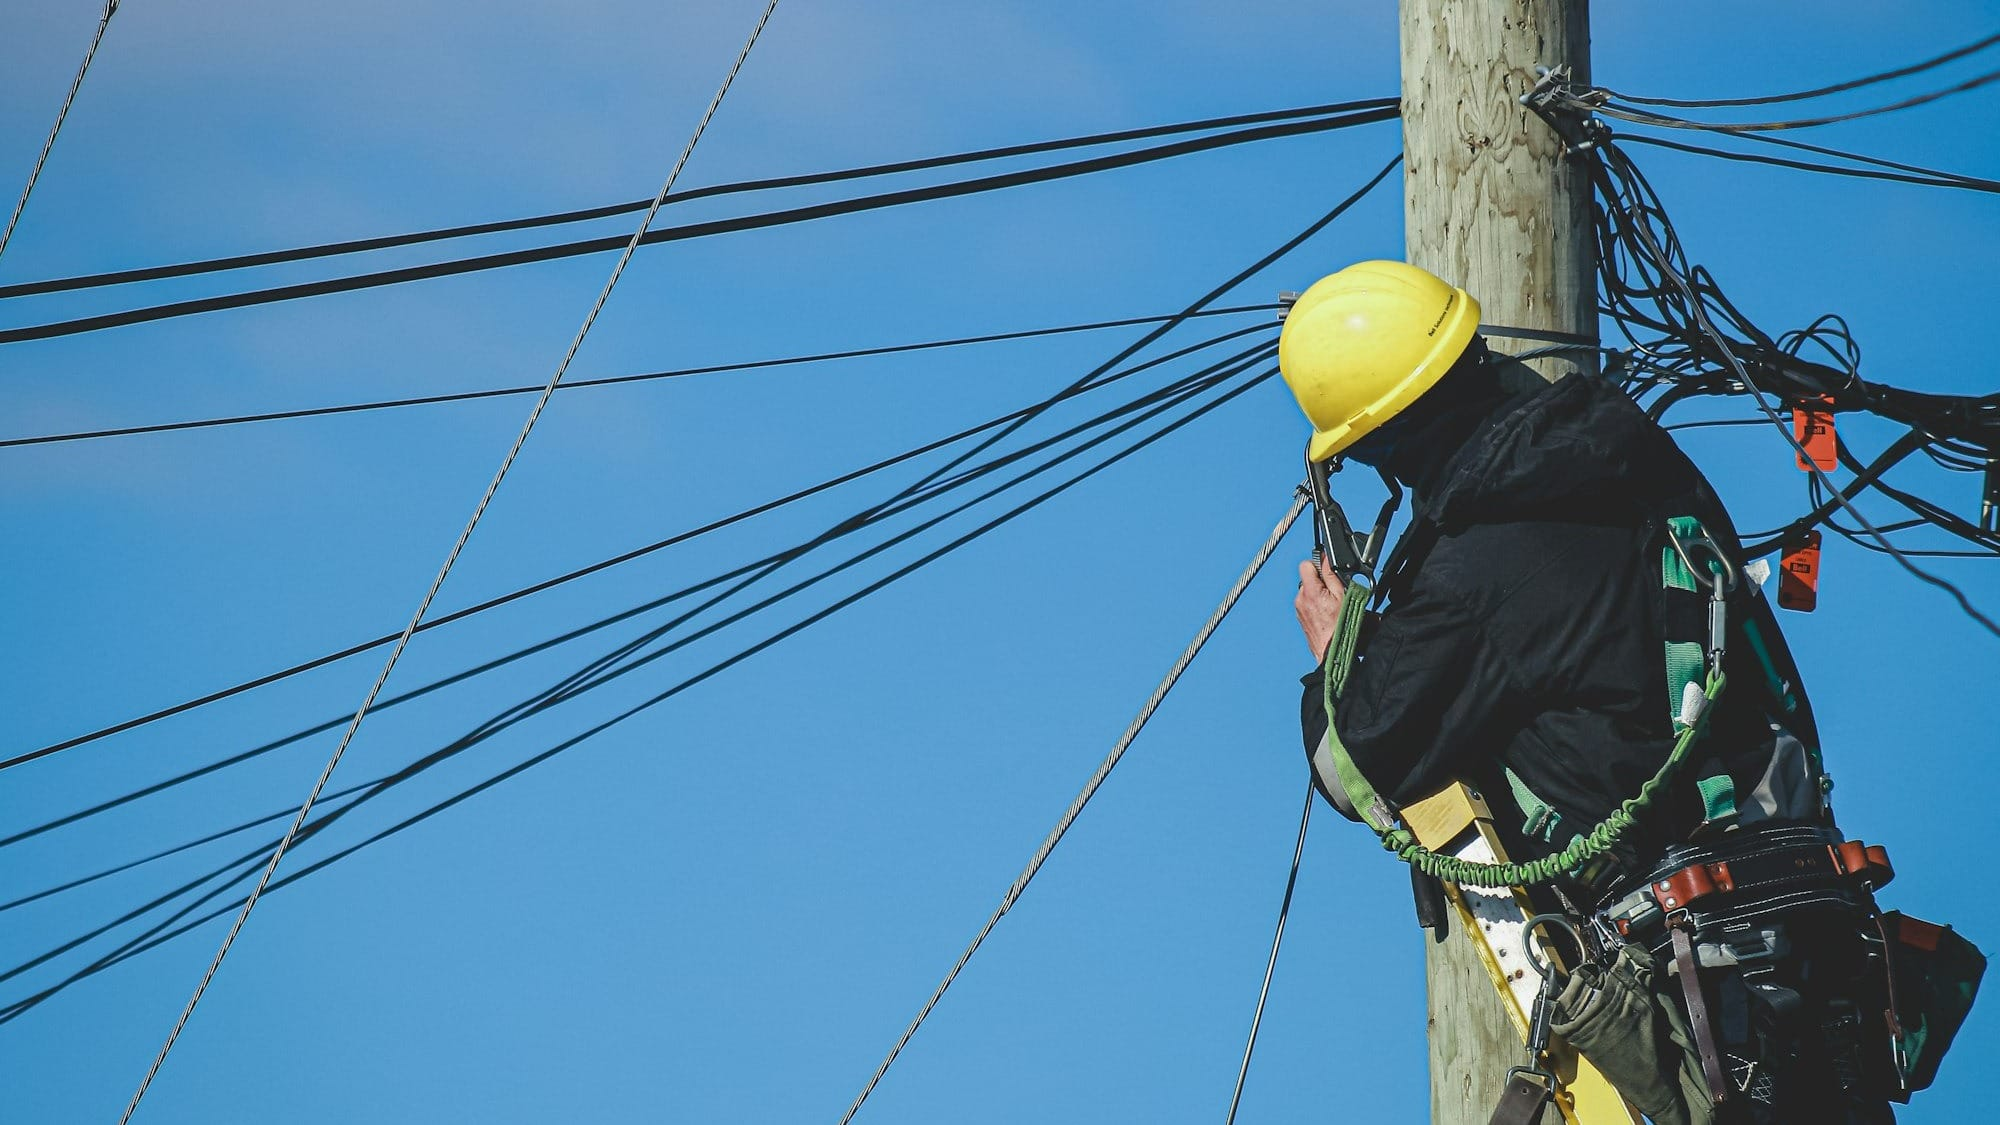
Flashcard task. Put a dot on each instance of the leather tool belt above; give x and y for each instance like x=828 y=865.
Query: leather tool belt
x=1722 y=902
x=1746 y=877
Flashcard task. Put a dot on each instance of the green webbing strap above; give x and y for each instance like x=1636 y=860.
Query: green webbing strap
x=1673 y=571
x=1339 y=662
x=1718 y=797
x=1684 y=665
x=1538 y=818
x=1780 y=690
x=1381 y=817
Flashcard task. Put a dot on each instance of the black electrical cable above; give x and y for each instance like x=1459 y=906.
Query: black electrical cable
x=1764 y=542
x=607 y=668
x=692 y=230
x=546 y=700
x=1084 y=384
x=1093 y=378
x=188 y=845
x=1215 y=294
x=1821 y=91
x=617 y=380
x=1860 y=158
x=1687 y=295
x=1943 y=180
x=1714 y=422
x=1647 y=285
x=25 y=1004
x=756 y=569
x=1648 y=117
x=487 y=729
x=305 y=253
x=581 y=572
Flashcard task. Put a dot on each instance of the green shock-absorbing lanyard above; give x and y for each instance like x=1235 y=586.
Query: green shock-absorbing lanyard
x=1380 y=815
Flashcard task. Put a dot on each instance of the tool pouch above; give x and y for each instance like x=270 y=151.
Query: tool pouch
x=1639 y=1041
x=1934 y=976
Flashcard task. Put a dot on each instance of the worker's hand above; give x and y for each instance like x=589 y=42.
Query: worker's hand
x=1318 y=604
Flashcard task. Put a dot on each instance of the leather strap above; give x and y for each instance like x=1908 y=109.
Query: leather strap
x=1698 y=1021
x=1774 y=869
x=1523 y=1101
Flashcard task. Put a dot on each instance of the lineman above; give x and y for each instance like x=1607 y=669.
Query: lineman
x=1544 y=616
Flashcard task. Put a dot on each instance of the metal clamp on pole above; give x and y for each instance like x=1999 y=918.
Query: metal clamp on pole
x=1567 y=111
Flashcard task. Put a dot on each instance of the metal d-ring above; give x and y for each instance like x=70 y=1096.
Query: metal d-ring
x=1554 y=921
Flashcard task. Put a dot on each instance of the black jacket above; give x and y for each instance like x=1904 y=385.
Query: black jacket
x=1525 y=626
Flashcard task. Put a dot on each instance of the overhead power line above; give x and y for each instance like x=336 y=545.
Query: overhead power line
x=1093 y=378
x=574 y=685
x=612 y=381
x=1612 y=108
x=1090 y=787
x=1204 y=301
x=601 y=670
x=1821 y=91
x=593 y=568
x=629 y=207
x=1911 y=174
x=570 y=688
x=62 y=115
x=423 y=606
x=174 y=927
x=1648 y=286
x=453 y=267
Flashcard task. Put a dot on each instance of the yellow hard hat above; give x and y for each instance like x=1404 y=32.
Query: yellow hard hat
x=1361 y=345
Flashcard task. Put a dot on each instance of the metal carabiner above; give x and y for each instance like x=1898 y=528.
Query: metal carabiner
x=1336 y=541
x=1350 y=553
x=1722 y=572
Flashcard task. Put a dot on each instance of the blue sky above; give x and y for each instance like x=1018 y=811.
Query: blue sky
x=727 y=908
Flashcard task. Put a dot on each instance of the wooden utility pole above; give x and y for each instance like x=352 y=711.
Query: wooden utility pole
x=1491 y=204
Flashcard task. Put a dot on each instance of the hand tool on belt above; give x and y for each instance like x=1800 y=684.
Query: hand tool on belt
x=1781 y=869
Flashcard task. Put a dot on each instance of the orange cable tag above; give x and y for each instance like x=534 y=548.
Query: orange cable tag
x=1813 y=428
x=1798 y=574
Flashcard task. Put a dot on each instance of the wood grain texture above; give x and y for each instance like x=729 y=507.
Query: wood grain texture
x=1491 y=205
x=1489 y=202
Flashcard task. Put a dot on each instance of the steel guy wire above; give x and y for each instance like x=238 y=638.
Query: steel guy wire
x=1090 y=788
x=69 y=99
x=451 y=557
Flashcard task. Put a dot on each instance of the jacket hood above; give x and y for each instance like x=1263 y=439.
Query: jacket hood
x=1578 y=450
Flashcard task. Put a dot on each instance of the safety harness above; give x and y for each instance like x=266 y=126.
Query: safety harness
x=1719 y=899
x=1695 y=681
